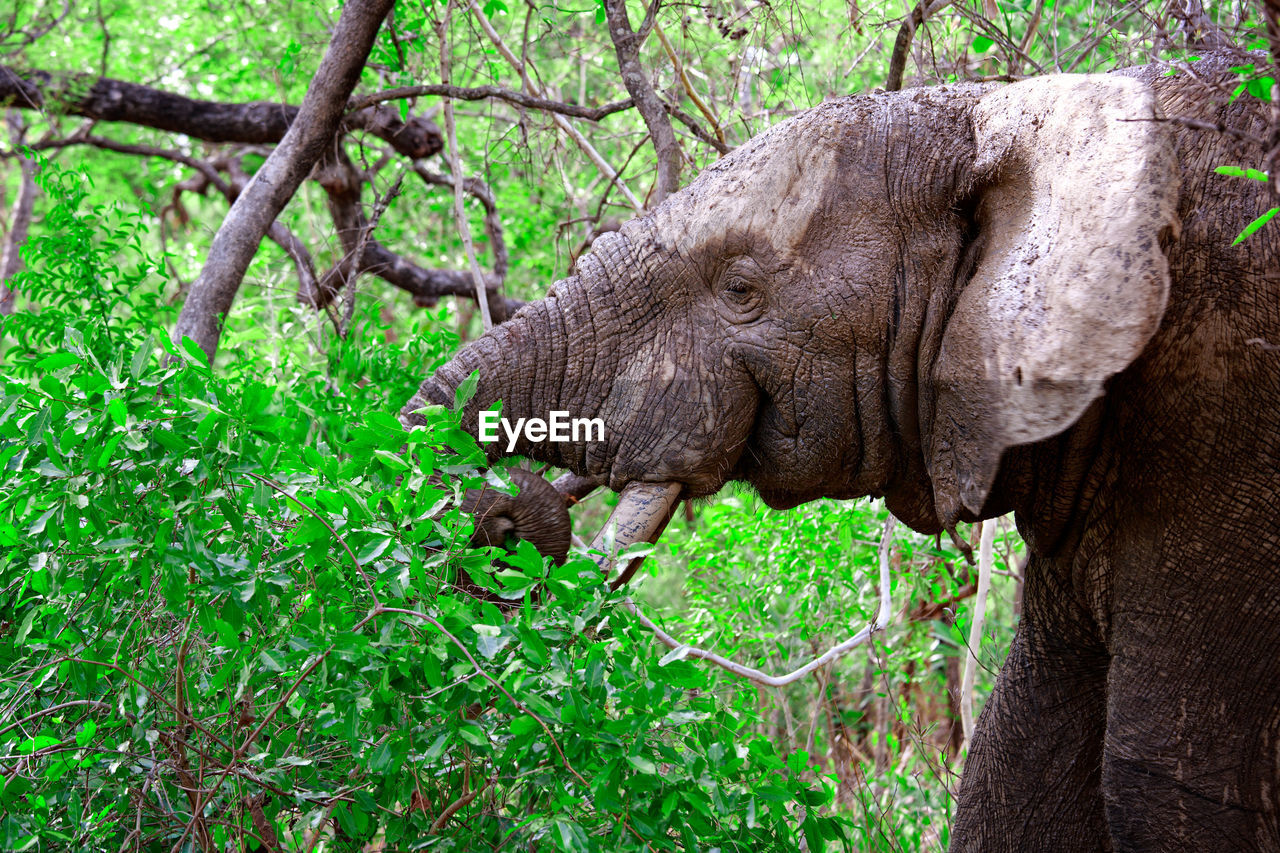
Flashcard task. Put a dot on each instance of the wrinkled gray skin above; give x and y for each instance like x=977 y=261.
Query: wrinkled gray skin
x=972 y=300
x=537 y=513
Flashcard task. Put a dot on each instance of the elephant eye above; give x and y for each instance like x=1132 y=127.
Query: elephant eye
x=740 y=289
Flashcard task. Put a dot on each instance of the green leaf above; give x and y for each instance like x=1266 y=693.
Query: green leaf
x=381 y=757
x=1255 y=225
x=85 y=735
x=109 y=449
x=812 y=832
x=1236 y=172
x=473 y=735
x=981 y=44
x=490 y=646
x=1261 y=87
x=118 y=411
x=523 y=725
x=571 y=836
x=271 y=660
x=194 y=354
x=57 y=361
x=373 y=550
x=466 y=390
x=644 y=765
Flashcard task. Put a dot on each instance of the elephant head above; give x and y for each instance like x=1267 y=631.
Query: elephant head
x=879 y=297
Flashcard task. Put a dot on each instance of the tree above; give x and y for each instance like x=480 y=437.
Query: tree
x=233 y=609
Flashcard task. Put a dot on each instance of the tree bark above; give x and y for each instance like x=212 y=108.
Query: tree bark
x=626 y=43
x=257 y=123
x=898 y=61
x=10 y=259
x=342 y=182
x=256 y=208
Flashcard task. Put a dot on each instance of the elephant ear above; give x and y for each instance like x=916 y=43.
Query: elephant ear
x=1074 y=184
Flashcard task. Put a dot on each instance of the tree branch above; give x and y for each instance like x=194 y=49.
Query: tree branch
x=986 y=561
x=480 y=93
x=104 y=99
x=19 y=222
x=687 y=84
x=492 y=221
x=342 y=183
x=901 y=45
x=236 y=242
x=560 y=121
x=455 y=168
x=682 y=650
x=626 y=44
x=697 y=129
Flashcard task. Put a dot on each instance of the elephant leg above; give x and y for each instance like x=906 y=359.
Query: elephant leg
x=1192 y=753
x=1032 y=780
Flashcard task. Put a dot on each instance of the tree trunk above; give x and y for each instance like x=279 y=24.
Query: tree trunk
x=317 y=122
x=258 y=123
x=626 y=43
x=10 y=259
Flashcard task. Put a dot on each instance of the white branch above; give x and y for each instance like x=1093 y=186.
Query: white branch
x=455 y=167
x=986 y=561
x=532 y=88
x=683 y=650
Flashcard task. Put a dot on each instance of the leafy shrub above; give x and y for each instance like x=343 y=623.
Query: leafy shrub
x=228 y=619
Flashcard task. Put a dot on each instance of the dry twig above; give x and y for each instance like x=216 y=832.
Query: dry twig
x=881 y=621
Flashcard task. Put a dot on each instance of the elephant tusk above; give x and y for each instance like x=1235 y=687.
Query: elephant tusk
x=641 y=515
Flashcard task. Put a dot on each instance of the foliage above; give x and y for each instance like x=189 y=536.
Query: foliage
x=239 y=586
x=233 y=599
x=779 y=588
x=1257 y=84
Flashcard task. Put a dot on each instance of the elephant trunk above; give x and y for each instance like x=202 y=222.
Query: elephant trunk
x=526 y=364
x=522 y=363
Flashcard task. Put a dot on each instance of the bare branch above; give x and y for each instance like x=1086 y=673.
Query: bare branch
x=681 y=650
x=342 y=182
x=626 y=44
x=561 y=122
x=201 y=166
x=104 y=99
x=356 y=259
x=455 y=168
x=457 y=806
x=986 y=561
x=480 y=93
x=19 y=222
x=898 y=61
x=696 y=129
x=247 y=222
x=40 y=31
x=480 y=191
x=1197 y=28
x=687 y=84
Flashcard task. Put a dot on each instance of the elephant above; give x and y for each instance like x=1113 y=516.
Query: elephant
x=971 y=300
x=536 y=513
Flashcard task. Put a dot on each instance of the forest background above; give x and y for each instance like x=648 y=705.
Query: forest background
x=237 y=611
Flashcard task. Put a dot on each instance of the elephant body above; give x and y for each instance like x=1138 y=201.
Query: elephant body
x=1139 y=708
x=973 y=300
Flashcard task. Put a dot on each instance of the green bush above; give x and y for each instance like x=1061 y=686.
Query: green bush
x=228 y=618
